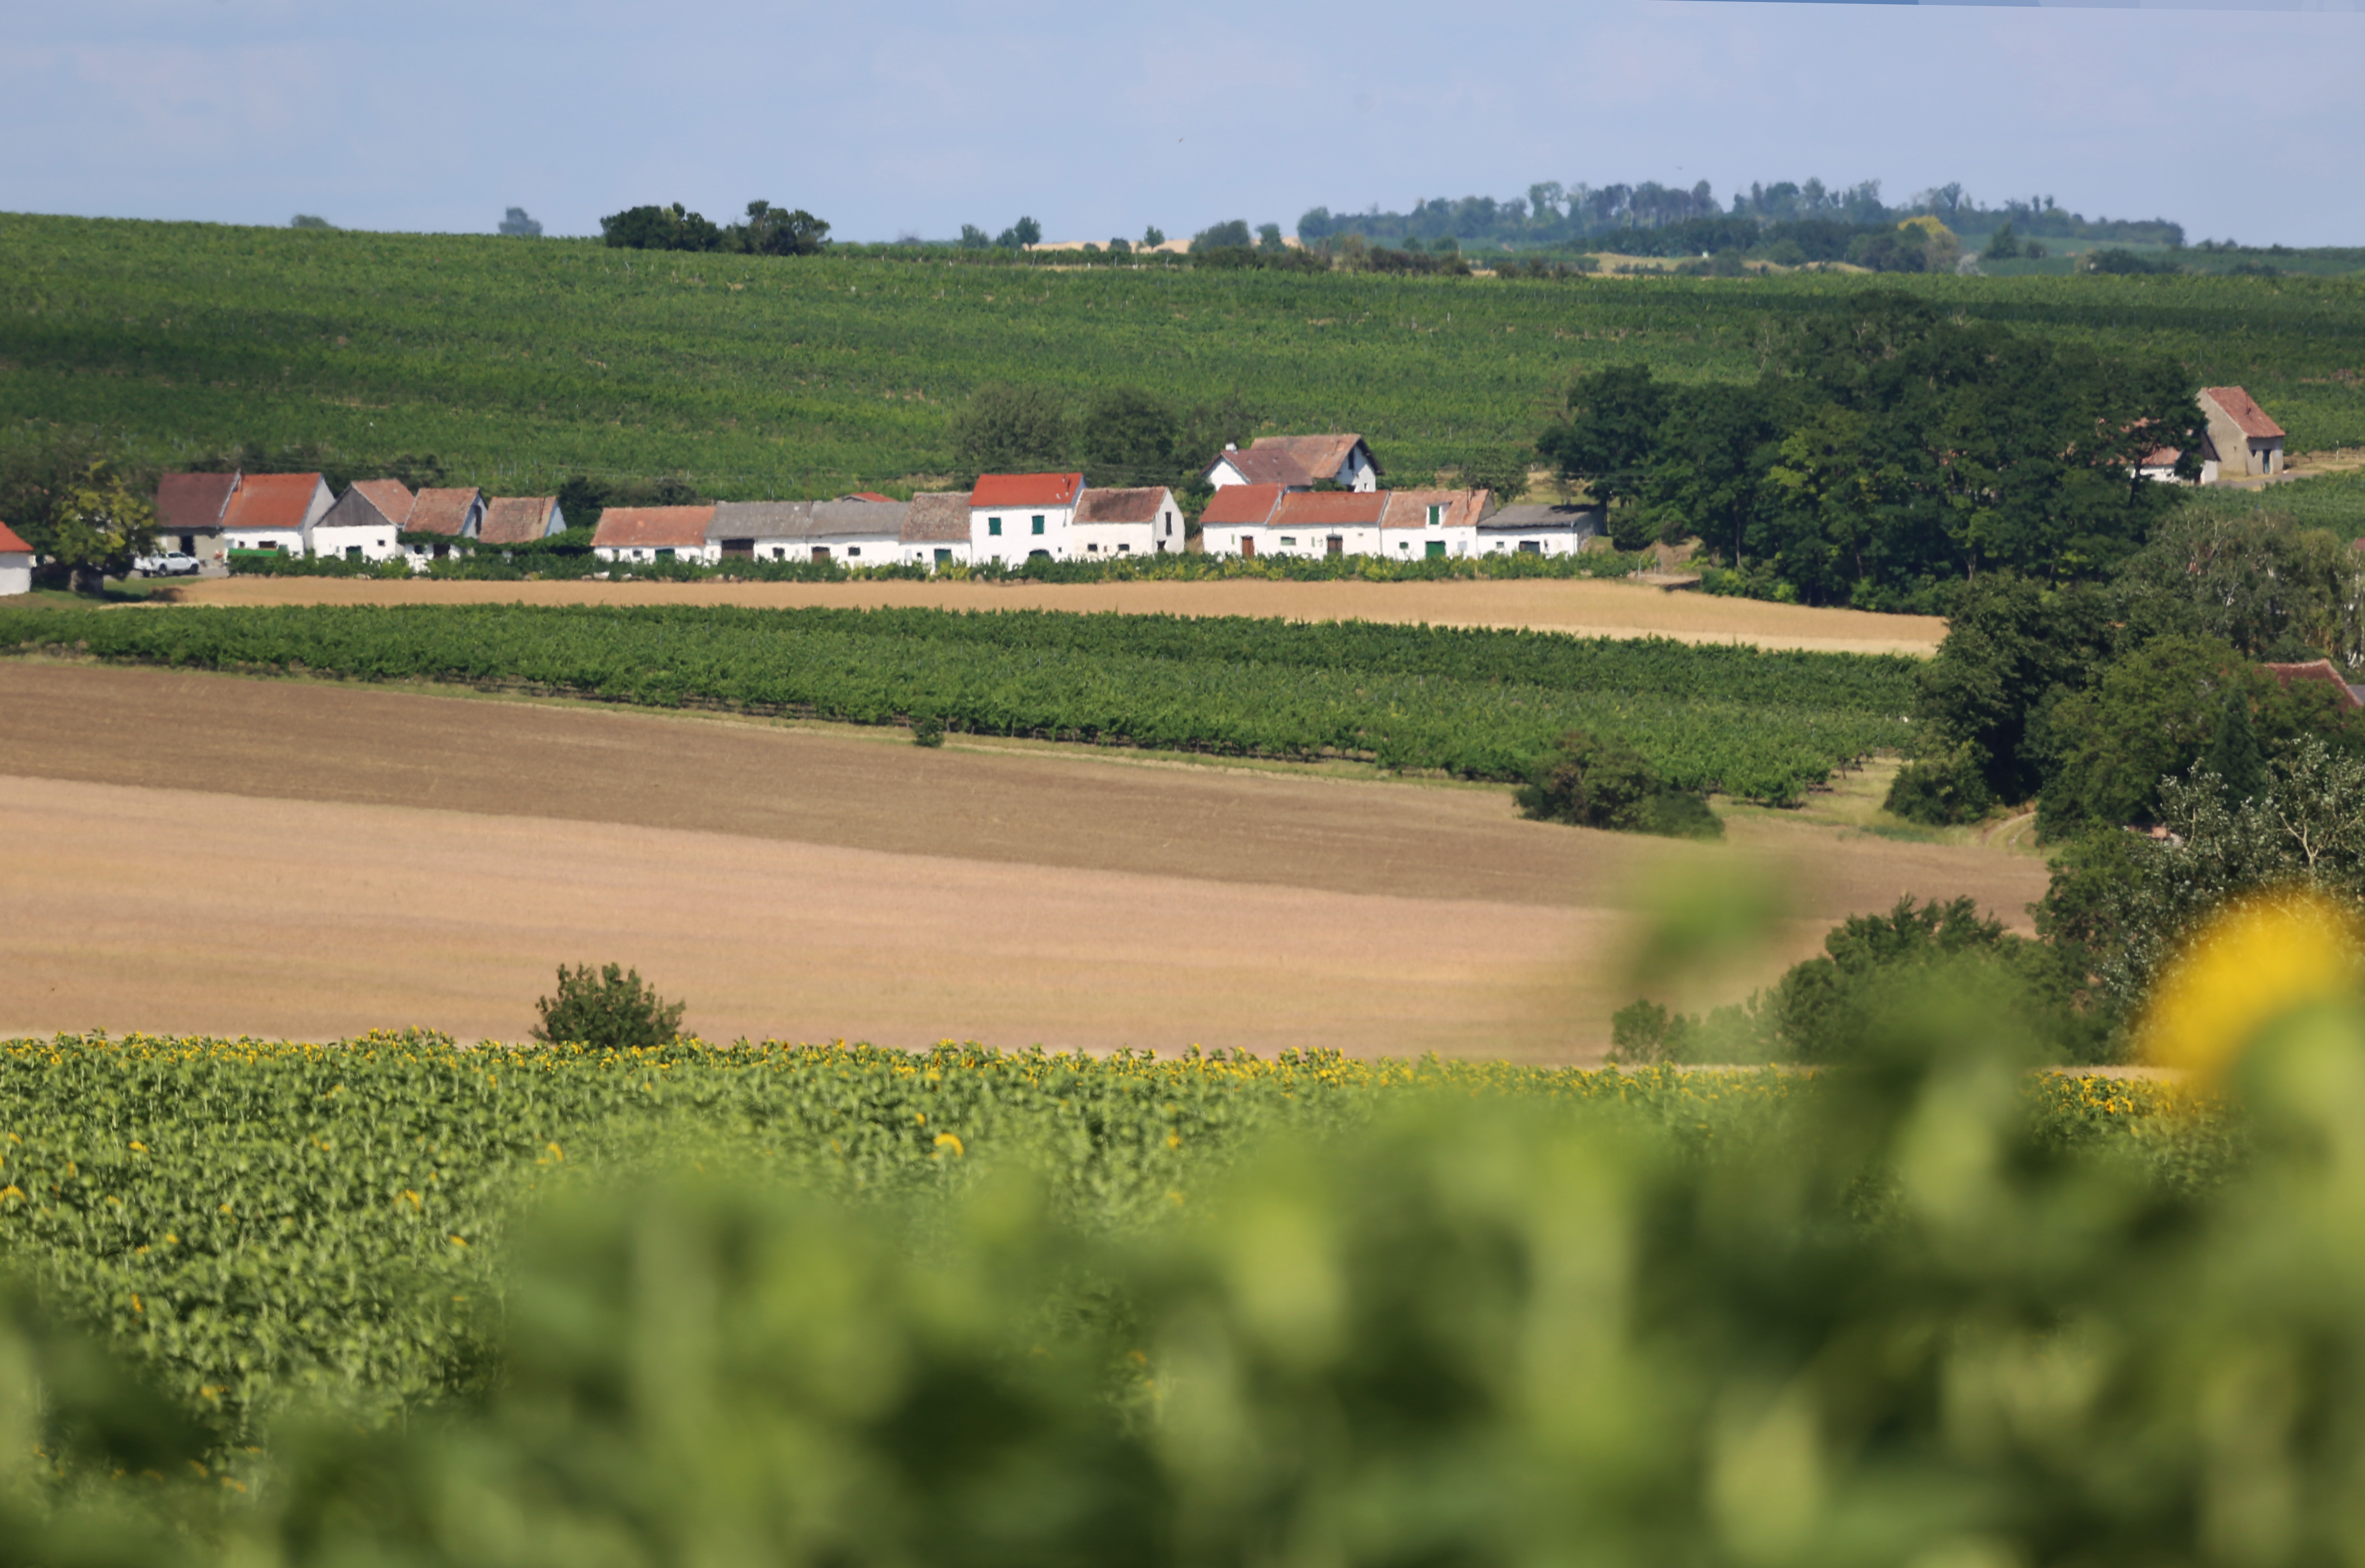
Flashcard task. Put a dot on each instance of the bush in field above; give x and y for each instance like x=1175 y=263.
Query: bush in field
x=611 y=1009
x=1590 y=781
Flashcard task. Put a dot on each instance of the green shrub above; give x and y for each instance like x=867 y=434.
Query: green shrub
x=612 y=1010
x=1590 y=781
x=1942 y=790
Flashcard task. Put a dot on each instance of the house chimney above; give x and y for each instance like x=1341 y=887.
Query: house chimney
x=1231 y=446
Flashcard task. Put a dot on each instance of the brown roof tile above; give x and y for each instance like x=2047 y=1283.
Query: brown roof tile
x=2244 y=411
x=517 y=520
x=937 y=517
x=391 y=497
x=1133 y=505
x=441 y=512
x=1409 y=509
x=1277 y=466
x=187 y=501
x=1321 y=455
x=272 y=501
x=1025 y=490
x=1235 y=505
x=663 y=528
x=2316 y=670
x=1330 y=508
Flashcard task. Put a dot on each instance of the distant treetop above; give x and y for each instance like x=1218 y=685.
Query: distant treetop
x=307 y=220
x=519 y=224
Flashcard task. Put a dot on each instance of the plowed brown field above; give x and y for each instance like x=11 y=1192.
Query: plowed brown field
x=1589 y=608
x=198 y=852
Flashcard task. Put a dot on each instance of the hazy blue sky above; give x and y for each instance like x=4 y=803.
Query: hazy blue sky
x=1100 y=118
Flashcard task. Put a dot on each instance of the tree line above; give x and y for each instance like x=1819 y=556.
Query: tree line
x=766 y=230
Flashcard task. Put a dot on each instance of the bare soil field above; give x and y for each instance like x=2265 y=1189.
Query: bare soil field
x=200 y=852
x=1587 y=607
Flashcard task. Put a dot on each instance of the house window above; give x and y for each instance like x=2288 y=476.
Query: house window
x=779 y=551
x=1289 y=539
x=1125 y=549
x=1531 y=546
x=993 y=526
x=852 y=552
x=1403 y=544
x=664 y=554
x=1038 y=524
x=352 y=552
x=1092 y=549
x=1436 y=517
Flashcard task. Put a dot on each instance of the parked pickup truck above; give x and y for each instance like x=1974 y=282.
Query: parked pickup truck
x=168 y=564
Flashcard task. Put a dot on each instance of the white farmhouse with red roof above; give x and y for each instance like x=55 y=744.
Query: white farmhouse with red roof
x=2243 y=442
x=275 y=511
x=1014 y=518
x=16 y=562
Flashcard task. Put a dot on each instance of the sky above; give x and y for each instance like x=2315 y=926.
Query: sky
x=1099 y=119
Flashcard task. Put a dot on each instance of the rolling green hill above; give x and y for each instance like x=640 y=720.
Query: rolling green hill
x=520 y=362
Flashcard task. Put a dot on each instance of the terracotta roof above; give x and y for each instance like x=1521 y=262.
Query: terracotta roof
x=1025 y=490
x=1278 y=467
x=761 y=519
x=10 y=543
x=192 y=500
x=391 y=497
x=1322 y=455
x=272 y=501
x=1121 y=506
x=516 y=520
x=661 y=528
x=441 y=512
x=1409 y=509
x=840 y=519
x=1330 y=508
x=936 y=517
x=2160 y=457
x=2240 y=408
x=2316 y=670
x=1237 y=504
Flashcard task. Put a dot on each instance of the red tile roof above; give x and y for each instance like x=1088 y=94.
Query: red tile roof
x=272 y=501
x=2160 y=457
x=1277 y=466
x=192 y=500
x=1331 y=508
x=1121 y=506
x=1025 y=490
x=867 y=495
x=441 y=512
x=516 y=520
x=1237 y=504
x=2316 y=670
x=2244 y=411
x=10 y=544
x=663 y=528
x=391 y=497
x=1409 y=509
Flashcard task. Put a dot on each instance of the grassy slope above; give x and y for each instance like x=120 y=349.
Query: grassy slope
x=521 y=362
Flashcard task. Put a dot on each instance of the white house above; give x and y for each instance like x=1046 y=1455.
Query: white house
x=1236 y=517
x=1538 y=530
x=760 y=530
x=2243 y=442
x=363 y=524
x=1325 y=523
x=859 y=533
x=1014 y=518
x=1298 y=462
x=1432 y=522
x=275 y=511
x=453 y=516
x=16 y=562
x=189 y=509
x=935 y=529
x=519 y=519
x=652 y=534
x=1144 y=521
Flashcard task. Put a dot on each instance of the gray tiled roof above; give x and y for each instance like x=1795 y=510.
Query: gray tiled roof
x=1538 y=519
x=761 y=519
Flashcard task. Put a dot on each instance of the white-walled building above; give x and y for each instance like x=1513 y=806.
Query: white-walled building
x=1432 y=522
x=275 y=511
x=453 y=516
x=2243 y=442
x=1298 y=462
x=935 y=529
x=859 y=533
x=1143 y=521
x=760 y=530
x=16 y=562
x=189 y=511
x=1266 y=519
x=1014 y=518
x=652 y=534
x=1234 y=522
x=1538 y=530
x=365 y=521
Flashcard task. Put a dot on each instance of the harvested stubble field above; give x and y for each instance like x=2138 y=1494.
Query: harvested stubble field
x=202 y=852
x=1593 y=608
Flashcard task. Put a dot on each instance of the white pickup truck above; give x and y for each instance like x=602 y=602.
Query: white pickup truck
x=165 y=564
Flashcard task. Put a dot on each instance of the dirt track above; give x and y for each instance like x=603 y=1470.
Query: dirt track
x=1590 y=607
x=203 y=852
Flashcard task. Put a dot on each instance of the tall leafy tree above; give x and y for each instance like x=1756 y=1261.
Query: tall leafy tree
x=1125 y=436
x=97 y=526
x=1609 y=432
x=769 y=230
x=1004 y=428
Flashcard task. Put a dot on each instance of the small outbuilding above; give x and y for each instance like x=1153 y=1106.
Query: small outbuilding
x=189 y=511
x=453 y=518
x=760 y=530
x=275 y=511
x=651 y=535
x=512 y=521
x=935 y=529
x=1429 y=523
x=1136 y=521
x=859 y=533
x=1538 y=530
x=2243 y=442
x=16 y=562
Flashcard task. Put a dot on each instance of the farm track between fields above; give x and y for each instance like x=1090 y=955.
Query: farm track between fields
x=1580 y=607
x=203 y=852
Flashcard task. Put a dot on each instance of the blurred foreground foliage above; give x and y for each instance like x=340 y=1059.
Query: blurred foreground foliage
x=842 y=1305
